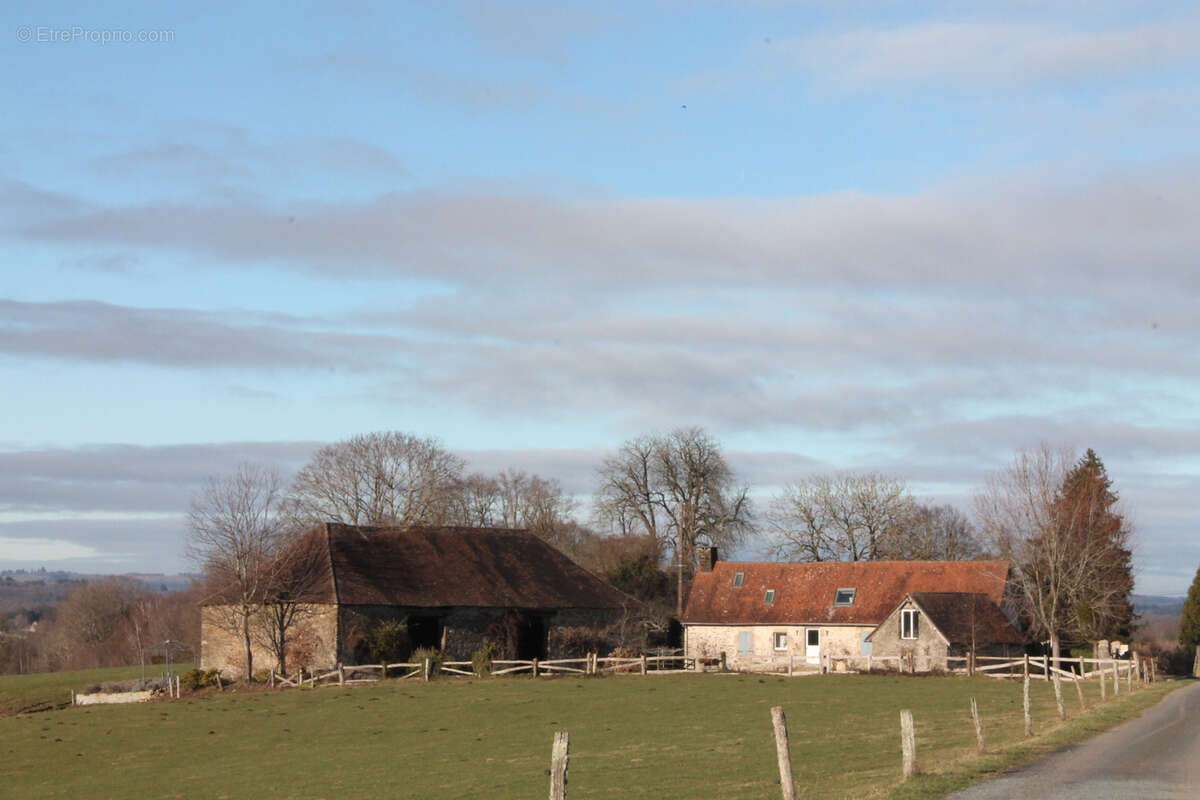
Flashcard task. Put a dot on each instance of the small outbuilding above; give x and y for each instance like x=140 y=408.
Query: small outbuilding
x=927 y=627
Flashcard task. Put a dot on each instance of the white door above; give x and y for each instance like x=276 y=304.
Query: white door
x=812 y=646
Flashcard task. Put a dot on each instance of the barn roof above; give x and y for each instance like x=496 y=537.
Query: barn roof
x=805 y=592
x=964 y=618
x=459 y=567
x=433 y=567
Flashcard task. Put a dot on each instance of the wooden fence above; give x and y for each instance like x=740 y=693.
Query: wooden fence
x=1041 y=667
x=592 y=664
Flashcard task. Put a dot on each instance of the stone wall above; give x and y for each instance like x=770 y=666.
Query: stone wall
x=311 y=642
x=709 y=641
x=927 y=651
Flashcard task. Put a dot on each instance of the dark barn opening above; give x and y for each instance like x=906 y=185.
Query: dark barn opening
x=530 y=636
x=424 y=632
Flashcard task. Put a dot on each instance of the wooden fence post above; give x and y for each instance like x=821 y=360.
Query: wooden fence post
x=1058 y=698
x=1027 y=708
x=869 y=665
x=644 y=662
x=1103 y=682
x=1079 y=690
x=559 y=756
x=1129 y=676
x=724 y=662
x=1196 y=664
x=908 y=743
x=535 y=668
x=783 y=753
x=426 y=670
x=72 y=697
x=342 y=675
x=272 y=678
x=1116 y=676
x=978 y=726
x=1027 y=665
x=791 y=665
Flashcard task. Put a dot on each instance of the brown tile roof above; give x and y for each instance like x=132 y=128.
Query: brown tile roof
x=432 y=567
x=804 y=592
x=958 y=615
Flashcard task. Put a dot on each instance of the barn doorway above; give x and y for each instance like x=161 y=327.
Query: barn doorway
x=530 y=636
x=424 y=632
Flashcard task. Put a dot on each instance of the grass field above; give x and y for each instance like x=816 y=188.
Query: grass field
x=656 y=736
x=18 y=692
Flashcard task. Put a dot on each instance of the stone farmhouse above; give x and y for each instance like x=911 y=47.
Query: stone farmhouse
x=832 y=615
x=449 y=588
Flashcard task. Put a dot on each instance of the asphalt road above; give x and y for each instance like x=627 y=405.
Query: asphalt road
x=1156 y=755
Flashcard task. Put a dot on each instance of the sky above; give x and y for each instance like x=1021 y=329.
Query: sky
x=908 y=238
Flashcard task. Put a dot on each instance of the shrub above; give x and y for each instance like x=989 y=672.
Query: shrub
x=262 y=676
x=387 y=642
x=481 y=659
x=198 y=679
x=436 y=657
x=575 y=641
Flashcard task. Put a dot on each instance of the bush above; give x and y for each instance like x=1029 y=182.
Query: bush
x=387 y=642
x=198 y=679
x=481 y=659
x=436 y=657
x=262 y=676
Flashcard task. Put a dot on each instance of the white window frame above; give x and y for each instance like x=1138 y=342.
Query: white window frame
x=910 y=623
x=849 y=602
x=738 y=579
x=776 y=638
x=769 y=597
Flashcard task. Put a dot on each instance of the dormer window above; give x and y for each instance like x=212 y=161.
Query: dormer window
x=769 y=597
x=738 y=578
x=844 y=597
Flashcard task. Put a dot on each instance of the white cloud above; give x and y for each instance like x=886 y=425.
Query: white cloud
x=38 y=549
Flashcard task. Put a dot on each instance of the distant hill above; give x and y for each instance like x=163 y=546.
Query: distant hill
x=1147 y=604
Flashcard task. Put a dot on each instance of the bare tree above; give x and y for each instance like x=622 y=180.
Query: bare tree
x=298 y=574
x=843 y=517
x=1063 y=572
x=538 y=505
x=678 y=489
x=477 y=501
x=237 y=532
x=934 y=533
x=90 y=627
x=384 y=478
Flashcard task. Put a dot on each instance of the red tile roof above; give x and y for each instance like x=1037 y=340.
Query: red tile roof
x=804 y=592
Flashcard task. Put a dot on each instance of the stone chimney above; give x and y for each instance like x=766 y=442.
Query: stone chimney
x=708 y=556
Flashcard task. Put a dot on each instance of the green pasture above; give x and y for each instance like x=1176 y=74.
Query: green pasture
x=680 y=736
x=20 y=692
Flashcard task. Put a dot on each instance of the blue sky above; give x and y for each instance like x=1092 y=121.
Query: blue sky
x=908 y=238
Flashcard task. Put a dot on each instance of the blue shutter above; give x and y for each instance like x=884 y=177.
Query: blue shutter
x=865 y=647
x=745 y=642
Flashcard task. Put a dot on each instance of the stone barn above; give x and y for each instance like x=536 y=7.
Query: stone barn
x=823 y=613
x=445 y=588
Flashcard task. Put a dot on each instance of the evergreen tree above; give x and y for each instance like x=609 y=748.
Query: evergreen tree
x=1085 y=512
x=1189 y=624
